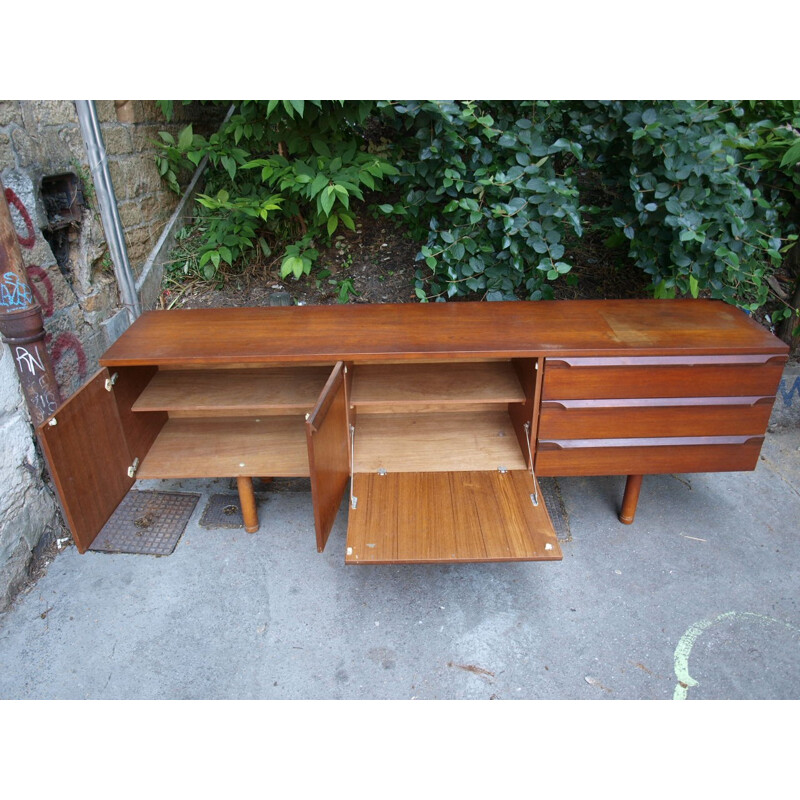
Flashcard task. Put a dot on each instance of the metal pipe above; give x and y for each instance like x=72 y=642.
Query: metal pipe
x=22 y=325
x=104 y=191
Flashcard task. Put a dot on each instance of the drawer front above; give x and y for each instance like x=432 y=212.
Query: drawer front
x=660 y=417
x=595 y=378
x=647 y=456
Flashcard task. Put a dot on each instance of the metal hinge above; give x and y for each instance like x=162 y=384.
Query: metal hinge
x=353 y=498
x=535 y=494
x=111 y=381
x=133 y=468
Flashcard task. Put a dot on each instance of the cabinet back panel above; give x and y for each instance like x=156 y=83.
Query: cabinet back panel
x=436 y=442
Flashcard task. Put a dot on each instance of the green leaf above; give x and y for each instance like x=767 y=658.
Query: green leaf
x=792 y=155
x=420 y=293
x=327 y=199
x=291 y=265
x=230 y=166
x=298 y=106
x=333 y=223
x=649 y=116
x=386 y=208
x=185 y=138
x=694 y=286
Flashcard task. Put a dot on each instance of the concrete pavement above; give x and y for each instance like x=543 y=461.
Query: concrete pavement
x=697 y=599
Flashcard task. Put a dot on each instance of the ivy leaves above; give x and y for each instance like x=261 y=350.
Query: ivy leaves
x=493 y=194
x=696 y=212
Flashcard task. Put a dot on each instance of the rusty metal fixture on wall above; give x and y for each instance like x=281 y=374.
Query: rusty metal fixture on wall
x=22 y=325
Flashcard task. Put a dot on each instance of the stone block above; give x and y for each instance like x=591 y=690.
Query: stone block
x=131 y=214
x=10 y=113
x=53 y=112
x=8 y=159
x=144 y=136
x=50 y=289
x=117 y=139
x=134 y=176
x=70 y=145
x=22 y=184
x=25 y=147
x=105 y=110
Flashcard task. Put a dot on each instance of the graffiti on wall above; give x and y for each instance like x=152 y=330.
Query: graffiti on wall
x=14 y=293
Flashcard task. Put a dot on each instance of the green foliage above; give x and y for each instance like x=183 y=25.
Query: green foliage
x=492 y=186
x=279 y=171
x=699 y=192
x=687 y=186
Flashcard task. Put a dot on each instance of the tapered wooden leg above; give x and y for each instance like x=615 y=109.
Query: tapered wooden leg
x=247 y=499
x=630 y=499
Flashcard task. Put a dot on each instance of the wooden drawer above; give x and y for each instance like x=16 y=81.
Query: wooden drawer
x=665 y=376
x=647 y=456
x=654 y=417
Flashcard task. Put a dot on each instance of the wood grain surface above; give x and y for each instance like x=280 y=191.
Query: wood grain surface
x=415 y=331
x=661 y=418
x=637 y=457
x=714 y=380
x=234 y=392
x=328 y=441
x=88 y=458
x=423 y=518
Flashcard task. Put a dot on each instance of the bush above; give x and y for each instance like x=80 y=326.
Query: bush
x=282 y=172
x=700 y=192
x=492 y=188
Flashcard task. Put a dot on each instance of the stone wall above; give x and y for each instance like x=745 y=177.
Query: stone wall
x=45 y=172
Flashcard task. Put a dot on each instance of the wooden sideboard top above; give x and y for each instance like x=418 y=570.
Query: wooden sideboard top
x=217 y=336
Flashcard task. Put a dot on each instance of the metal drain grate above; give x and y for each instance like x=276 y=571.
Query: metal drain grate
x=146 y=523
x=555 y=506
x=222 y=511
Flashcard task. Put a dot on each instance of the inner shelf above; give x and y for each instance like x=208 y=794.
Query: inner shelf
x=229 y=447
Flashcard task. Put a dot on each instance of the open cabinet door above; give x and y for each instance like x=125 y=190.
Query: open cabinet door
x=88 y=456
x=327 y=434
x=449 y=517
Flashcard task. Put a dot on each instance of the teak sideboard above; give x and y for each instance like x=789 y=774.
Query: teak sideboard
x=440 y=417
